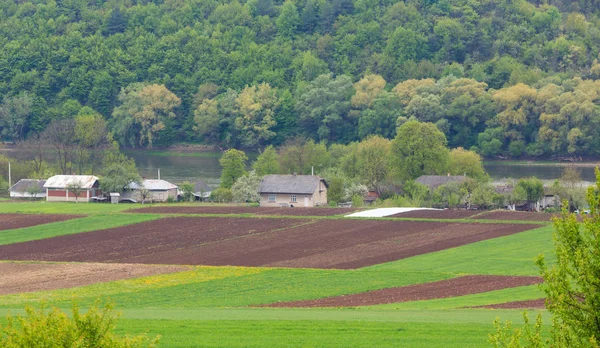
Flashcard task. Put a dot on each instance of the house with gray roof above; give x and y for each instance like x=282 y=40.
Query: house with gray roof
x=292 y=190
x=201 y=191
x=435 y=181
x=28 y=188
x=157 y=190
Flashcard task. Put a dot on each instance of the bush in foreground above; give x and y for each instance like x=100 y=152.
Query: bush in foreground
x=53 y=328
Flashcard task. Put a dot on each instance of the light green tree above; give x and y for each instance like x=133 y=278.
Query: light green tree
x=233 y=163
x=465 y=162
x=188 y=189
x=288 y=20
x=267 y=162
x=418 y=149
x=570 y=284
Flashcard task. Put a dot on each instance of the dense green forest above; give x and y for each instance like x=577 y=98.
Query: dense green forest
x=501 y=77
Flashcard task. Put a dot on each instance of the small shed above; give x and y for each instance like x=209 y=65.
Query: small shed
x=71 y=188
x=28 y=188
x=114 y=197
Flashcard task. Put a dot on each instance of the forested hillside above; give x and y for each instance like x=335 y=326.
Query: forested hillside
x=501 y=77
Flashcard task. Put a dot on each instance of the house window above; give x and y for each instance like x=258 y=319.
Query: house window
x=293 y=199
x=272 y=198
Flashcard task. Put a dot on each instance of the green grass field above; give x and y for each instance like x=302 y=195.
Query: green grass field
x=214 y=306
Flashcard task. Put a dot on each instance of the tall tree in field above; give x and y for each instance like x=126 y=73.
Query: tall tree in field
x=267 y=162
x=418 y=149
x=60 y=135
x=142 y=113
x=373 y=154
x=233 y=163
x=257 y=105
x=91 y=135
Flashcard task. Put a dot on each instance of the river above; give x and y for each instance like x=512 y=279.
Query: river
x=178 y=168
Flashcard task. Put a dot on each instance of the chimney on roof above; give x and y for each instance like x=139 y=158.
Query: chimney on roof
x=448 y=174
x=294 y=173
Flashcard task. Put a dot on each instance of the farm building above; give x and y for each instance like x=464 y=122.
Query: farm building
x=435 y=181
x=292 y=190
x=158 y=191
x=201 y=191
x=71 y=188
x=28 y=188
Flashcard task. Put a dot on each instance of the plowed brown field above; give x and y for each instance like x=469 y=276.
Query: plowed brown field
x=515 y=215
x=437 y=214
x=341 y=244
x=11 y=221
x=442 y=289
x=27 y=277
x=324 y=211
x=528 y=304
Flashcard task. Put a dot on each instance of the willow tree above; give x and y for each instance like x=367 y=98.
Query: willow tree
x=143 y=112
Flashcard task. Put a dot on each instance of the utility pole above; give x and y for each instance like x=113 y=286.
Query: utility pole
x=9 y=176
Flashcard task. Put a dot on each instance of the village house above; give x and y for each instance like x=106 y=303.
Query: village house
x=158 y=191
x=292 y=190
x=28 y=188
x=201 y=191
x=435 y=181
x=72 y=188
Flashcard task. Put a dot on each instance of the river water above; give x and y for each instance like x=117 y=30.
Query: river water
x=178 y=168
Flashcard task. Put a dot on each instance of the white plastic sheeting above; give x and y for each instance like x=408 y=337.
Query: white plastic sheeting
x=382 y=212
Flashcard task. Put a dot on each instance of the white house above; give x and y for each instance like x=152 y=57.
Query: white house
x=158 y=191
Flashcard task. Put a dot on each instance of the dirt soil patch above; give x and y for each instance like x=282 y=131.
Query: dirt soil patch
x=28 y=277
x=515 y=215
x=220 y=241
x=540 y=303
x=437 y=214
x=12 y=221
x=276 y=211
x=441 y=289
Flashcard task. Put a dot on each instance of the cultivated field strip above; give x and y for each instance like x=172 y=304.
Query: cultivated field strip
x=437 y=214
x=29 y=277
x=515 y=215
x=274 y=211
x=12 y=221
x=220 y=241
x=459 y=286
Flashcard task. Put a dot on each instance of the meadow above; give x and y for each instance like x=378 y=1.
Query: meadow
x=218 y=306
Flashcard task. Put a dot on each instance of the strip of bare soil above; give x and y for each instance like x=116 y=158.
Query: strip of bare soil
x=515 y=215
x=12 y=221
x=339 y=244
x=277 y=211
x=437 y=214
x=441 y=289
x=28 y=277
x=540 y=303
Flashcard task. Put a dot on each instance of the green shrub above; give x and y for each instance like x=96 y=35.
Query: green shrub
x=357 y=201
x=53 y=328
x=221 y=195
